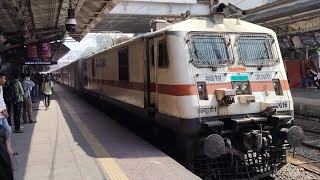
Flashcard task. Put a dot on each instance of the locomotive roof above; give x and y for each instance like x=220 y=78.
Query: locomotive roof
x=206 y=24
x=201 y=24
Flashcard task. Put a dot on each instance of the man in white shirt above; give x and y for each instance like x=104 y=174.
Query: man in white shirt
x=4 y=115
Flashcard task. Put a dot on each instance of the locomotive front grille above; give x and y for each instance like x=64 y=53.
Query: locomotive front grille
x=255 y=165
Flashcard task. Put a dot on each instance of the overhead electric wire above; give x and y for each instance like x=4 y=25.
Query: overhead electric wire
x=128 y=16
x=240 y=2
x=114 y=17
x=38 y=6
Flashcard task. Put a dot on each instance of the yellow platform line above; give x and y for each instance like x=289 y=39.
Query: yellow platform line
x=106 y=161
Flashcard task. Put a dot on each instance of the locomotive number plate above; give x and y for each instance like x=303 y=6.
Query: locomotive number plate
x=208 y=110
x=282 y=105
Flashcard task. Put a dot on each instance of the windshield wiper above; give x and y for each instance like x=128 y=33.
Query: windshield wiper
x=196 y=52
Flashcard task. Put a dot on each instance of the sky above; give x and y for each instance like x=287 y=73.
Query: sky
x=246 y=4
x=76 y=48
x=88 y=41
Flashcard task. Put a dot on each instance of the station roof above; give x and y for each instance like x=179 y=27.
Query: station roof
x=283 y=9
x=296 y=22
x=32 y=21
x=287 y=16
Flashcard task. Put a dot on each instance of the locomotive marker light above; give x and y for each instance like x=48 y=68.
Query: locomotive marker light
x=218 y=8
x=202 y=90
x=217 y=13
x=277 y=86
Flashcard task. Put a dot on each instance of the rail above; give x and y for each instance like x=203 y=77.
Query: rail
x=314 y=131
x=309 y=144
x=203 y=1
x=303 y=162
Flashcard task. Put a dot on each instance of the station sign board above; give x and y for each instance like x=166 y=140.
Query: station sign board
x=46 y=50
x=32 y=51
x=40 y=62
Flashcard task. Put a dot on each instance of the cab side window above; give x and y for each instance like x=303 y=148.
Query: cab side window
x=163 y=60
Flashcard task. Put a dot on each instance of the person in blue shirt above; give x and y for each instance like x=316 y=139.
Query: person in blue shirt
x=27 y=85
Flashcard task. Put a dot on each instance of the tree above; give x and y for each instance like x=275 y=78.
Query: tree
x=87 y=51
x=103 y=41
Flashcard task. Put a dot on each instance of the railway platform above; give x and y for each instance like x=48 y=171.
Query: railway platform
x=306 y=102
x=73 y=140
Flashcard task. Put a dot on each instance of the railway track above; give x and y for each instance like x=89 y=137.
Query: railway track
x=311 y=143
x=315 y=144
x=314 y=131
x=311 y=146
x=305 y=163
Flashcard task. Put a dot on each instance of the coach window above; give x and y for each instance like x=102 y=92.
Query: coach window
x=93 y=68
x=123 y=65
x=85 y=77
x=163 y=60
x=152 y=54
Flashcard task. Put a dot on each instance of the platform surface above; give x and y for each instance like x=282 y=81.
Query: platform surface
x=306 y=101
x=74 y=140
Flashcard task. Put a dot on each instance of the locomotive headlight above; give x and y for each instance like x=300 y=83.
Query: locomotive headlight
x=244 y=87
x=236 y=87
x=241 y=87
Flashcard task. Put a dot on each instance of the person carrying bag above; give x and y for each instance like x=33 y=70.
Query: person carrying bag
x=47 y=91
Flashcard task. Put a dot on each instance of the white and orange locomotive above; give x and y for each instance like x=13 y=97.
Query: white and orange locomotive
x=219 y=84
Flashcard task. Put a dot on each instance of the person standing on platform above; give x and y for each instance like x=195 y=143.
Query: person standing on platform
x=8 y=99
x=38 y=85
x=4 y=115
x=27 y=85
x=34 y=89
x=6 y=171
x=47 y=91
x=40 y=81
x=17 y=106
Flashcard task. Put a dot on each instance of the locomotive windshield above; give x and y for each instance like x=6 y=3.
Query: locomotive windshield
x=209 y=50
x=256 y=50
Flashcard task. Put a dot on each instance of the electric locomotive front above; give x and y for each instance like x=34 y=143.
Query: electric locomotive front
x=242 y=100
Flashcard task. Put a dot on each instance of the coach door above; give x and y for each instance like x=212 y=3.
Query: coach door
x=150 y=90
